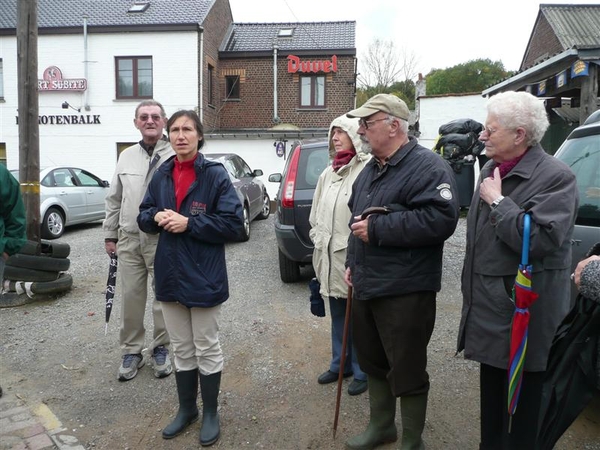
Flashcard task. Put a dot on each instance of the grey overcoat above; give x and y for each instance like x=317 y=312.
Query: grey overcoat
x=546 y=188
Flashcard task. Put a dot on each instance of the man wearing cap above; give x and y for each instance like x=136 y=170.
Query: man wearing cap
x=394 y=264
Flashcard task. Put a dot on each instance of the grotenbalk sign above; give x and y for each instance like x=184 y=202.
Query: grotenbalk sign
x=53 y=80
x=71 y=119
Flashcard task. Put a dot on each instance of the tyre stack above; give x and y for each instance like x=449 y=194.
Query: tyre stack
x=37 y=272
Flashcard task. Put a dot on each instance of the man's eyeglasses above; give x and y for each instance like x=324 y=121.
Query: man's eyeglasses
x=145 y=117
x=367 y=123
x=488 y=130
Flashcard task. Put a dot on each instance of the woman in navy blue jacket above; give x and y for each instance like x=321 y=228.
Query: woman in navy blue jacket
x=192 y=203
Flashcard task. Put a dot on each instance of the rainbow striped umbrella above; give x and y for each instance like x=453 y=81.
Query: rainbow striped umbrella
x=523 y=297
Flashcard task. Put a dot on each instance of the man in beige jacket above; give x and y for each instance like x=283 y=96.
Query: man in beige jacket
x=136 y=249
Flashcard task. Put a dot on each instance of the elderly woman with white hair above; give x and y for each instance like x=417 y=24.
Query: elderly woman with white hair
x=520 y=178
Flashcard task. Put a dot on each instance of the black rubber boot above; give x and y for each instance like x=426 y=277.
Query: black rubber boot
x=413 y=410
x=187 y=391
x=209 y=387
x=382 y=424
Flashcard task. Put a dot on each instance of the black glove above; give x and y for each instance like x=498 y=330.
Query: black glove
x=317 y=305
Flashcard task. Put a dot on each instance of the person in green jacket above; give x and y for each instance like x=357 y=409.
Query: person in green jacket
x=12 y=220
x=12 y=217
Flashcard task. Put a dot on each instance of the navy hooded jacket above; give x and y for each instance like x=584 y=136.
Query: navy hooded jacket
x=189 y=267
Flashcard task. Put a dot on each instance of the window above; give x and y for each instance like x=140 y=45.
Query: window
x=3 y=153
x=285 y=32
x=241 y=168
x=87 y=179
x=1 y=80
x=582 y=155
x=122 y=146
x=139 y=6
x=312 y=92
x=211 y=71
x=62 y=178
x=232 y=87
x=134 y=77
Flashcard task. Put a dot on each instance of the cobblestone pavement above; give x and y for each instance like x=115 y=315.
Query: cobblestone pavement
x=32 y=427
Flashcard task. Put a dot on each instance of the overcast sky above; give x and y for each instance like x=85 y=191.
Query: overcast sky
x=440 y=33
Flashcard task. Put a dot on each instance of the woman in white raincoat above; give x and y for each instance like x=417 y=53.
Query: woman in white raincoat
x=329 y=219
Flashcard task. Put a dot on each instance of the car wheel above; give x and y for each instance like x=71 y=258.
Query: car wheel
x=53 y=224
x=47 y=248
x=22 y=274
x=266 y=209
x=289 y=270
x=246 y=231
x=43 y=263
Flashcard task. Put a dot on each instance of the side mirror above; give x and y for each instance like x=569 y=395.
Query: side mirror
x=275 y=178
x=257 y=172
x=105 y=183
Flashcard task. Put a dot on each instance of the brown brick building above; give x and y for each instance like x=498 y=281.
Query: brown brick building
x=314 y=79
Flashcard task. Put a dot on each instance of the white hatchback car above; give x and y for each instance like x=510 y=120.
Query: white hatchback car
x=68 y=196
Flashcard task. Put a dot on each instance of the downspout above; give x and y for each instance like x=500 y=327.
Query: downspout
x=275 y=115
x=86 y=104
x=355 y=81
x=201 y=100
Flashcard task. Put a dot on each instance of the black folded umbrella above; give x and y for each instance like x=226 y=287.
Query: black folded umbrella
x=110 y=288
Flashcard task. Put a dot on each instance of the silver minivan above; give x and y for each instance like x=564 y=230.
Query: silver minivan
x=581 y=152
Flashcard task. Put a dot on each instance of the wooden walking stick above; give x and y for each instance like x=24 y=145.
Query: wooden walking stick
x=342 y=359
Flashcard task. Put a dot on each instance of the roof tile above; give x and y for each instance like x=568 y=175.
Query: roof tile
x=256 y=37
x=69 y=13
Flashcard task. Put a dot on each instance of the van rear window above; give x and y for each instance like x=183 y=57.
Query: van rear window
x=312 y=162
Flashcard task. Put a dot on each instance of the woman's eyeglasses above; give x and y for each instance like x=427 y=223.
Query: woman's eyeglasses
x=488 y=130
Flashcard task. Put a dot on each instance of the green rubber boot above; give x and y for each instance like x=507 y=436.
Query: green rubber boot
x=209 y=389
x=382 y=424
x=413 y=409
x=187 y=391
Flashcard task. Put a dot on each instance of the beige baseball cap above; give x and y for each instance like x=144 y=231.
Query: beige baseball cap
x=387 y=103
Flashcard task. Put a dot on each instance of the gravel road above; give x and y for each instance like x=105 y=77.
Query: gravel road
x=55 y=352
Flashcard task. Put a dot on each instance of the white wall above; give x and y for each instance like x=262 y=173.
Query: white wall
x=436 y=111
x=175 y=83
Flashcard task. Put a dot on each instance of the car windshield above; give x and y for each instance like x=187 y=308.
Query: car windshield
x=582 y=155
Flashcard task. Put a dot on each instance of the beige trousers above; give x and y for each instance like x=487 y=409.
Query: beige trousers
x=194 y=337
x=135 y=270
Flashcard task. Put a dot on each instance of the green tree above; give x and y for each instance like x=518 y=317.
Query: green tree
x=472 y=76
x=403 y=89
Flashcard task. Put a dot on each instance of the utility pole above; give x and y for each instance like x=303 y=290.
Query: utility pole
x=29 y=136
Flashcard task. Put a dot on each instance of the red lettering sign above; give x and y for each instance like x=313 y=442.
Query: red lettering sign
x=53 y=81
x=295 y=64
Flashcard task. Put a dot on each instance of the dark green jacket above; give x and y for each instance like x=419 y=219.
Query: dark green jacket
x=12 y=214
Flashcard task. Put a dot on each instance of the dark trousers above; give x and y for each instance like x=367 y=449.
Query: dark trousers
x=494 y=410
x=391 y=335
